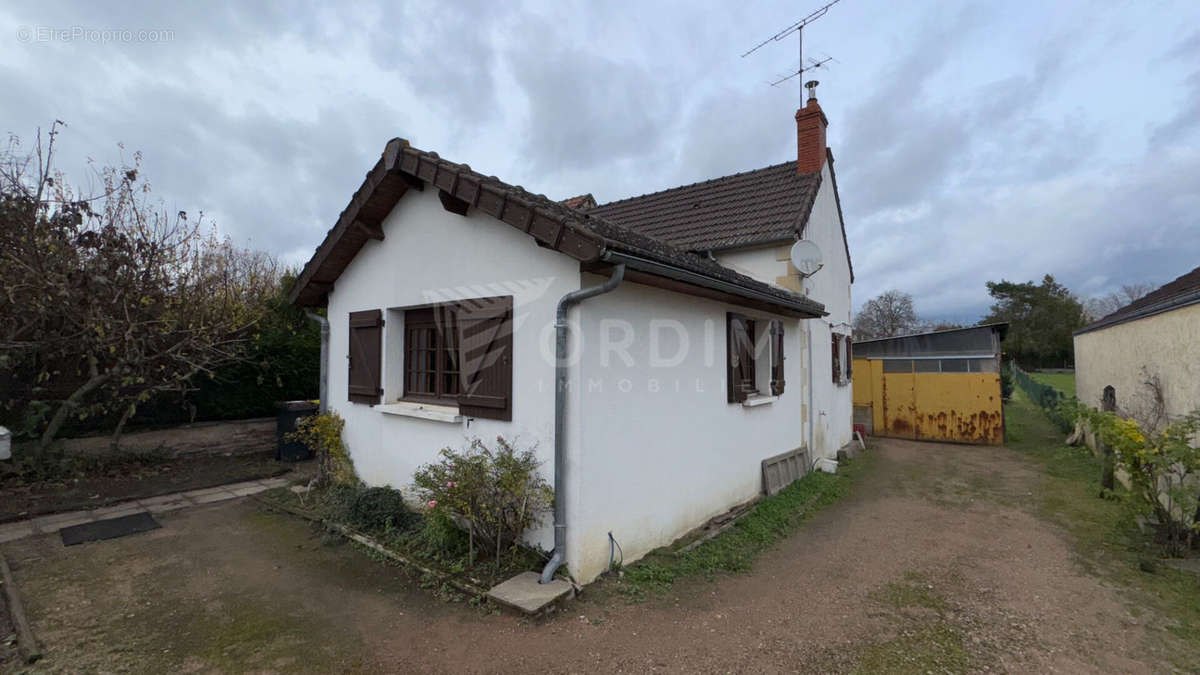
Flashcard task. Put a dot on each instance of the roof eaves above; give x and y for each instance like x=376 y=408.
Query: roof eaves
x=1119 y=317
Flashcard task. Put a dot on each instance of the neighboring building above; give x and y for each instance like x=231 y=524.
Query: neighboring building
x=442 y=286
x=1157 y=336
x=940 y=386
x=582 y=202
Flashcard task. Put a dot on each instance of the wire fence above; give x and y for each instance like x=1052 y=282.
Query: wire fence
x=1046 y=397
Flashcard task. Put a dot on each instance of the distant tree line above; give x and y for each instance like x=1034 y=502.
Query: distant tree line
x=1042 y=318
x=114 y=311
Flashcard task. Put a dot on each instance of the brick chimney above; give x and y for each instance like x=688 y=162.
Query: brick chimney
x=810 y=133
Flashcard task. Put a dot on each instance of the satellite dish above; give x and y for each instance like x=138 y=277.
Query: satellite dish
x=806 y=257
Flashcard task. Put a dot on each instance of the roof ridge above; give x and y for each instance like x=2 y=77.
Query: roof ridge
x=697 y=183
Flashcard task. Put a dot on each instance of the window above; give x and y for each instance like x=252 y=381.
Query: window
x=456 y=354
x=927 y=365
x=836 y=358
x=1108 y=400
x=840 y=355
x=897 y=366
x=430 y=355
x=746 y=341
x=954 y=365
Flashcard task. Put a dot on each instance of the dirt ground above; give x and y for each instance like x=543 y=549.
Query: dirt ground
x=134 y=479
x=938 y=557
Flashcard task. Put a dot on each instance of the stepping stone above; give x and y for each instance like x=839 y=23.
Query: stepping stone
x=524 y=593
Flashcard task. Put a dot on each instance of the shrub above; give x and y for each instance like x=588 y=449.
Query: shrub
x=374 y=509
x=323 y=435
x=497 y=493
x=440 y=537
x=1163 y=468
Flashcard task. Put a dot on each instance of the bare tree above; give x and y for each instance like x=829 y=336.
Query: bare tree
x=888 y=315
x=107 y=299
x=1099 y=307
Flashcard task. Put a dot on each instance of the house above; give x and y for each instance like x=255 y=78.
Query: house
x=1152 y=339
x=938 y=386
x=654 y=350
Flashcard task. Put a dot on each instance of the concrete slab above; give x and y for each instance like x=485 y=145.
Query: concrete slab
x=49 y=526
x=209 y=497
x=524 y=593
x=63 y=517
x=248 y=490
x=15 y=531
x=1184 y=564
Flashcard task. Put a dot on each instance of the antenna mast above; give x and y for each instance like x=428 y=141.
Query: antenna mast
x=798 y=29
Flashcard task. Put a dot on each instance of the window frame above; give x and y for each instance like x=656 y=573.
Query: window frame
x=440 y=321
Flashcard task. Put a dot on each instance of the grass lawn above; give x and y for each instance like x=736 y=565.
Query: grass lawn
x=1064 y=382
x=735 y=550
x=1106 y=536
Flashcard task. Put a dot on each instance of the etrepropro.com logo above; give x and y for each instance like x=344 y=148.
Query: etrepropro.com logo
x=96 y=35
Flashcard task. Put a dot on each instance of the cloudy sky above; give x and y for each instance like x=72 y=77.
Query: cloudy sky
x=974 y=141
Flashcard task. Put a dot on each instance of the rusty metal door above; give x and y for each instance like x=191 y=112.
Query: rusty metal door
x=899 y=400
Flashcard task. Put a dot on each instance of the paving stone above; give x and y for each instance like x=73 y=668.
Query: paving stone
x=174 y=498
x=127 y=511
x=523 y=592
x=51 y=526
x=251 y=489
x=122 y=509
x=274 y=482
x=209 y=497
x=164 y=505
x=60 y=517
x=206 y=491
x=15 y=531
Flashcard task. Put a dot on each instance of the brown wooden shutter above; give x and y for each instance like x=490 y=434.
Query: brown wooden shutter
x=739 y=338
x=837 y=359
x=366 y=343
x=777 y=380
x=485 y=332
x=849 y=358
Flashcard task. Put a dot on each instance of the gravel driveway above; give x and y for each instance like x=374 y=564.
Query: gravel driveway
x=937 y=559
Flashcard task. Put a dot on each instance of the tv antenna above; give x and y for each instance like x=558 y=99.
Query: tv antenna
x=812 y=63
x=798 y=29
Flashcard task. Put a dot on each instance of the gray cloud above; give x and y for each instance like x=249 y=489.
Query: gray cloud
x=970 y=145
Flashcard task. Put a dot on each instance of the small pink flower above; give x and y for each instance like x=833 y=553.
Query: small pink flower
x=449 y=484
x=432 y=503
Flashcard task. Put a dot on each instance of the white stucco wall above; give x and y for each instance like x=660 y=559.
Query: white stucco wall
x=660 y=449
x=1123 y=355
x=427 y=255
x=831 y=286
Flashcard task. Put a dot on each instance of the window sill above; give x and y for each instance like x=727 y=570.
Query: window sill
x=425 y=411
x=756 y=400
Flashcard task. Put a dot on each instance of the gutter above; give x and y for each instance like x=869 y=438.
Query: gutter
x=324 y=390
x=1177 y=302
x=560 y=414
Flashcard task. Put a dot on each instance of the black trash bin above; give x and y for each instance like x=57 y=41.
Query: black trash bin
x=290 y=413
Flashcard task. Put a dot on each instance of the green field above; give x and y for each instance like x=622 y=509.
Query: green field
x=1064 y=382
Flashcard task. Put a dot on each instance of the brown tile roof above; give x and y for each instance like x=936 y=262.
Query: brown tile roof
x=755 y=207
x=572 y=232
x=1182 y=292
x=583 y=202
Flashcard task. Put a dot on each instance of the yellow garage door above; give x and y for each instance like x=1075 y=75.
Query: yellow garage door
x=935 y=399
